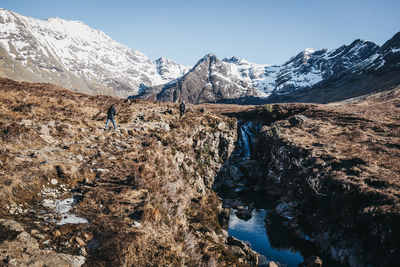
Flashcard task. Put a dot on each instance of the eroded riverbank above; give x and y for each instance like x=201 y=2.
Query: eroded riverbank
x=322 y=163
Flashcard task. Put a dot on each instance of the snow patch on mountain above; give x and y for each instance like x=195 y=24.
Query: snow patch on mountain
x=169 y=69
x=56 y=44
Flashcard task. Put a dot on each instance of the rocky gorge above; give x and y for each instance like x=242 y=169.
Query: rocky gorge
x=334 y=169
x=155 y=191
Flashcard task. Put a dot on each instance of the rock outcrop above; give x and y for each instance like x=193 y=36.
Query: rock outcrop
x=19 y=248
x=335 y=168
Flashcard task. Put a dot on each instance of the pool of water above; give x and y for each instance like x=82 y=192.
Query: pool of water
x=254 y=232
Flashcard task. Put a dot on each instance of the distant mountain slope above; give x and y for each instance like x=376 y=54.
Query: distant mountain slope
x=71 y=54
x=169 y=69
x=75 y=56
x=209 y=80
x=380 y=71
x=310 y=76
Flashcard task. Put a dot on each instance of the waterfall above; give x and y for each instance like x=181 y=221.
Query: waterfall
x=247 y=131
x=245 y=142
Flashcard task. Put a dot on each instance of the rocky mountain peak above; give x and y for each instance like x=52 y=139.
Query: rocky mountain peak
x=209 y=56
x=392 y=43
x=170 y=69
x=236 y=60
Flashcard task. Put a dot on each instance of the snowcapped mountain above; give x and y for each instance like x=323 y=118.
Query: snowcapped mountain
x=75 y=56
x=234 y=79
x=209 y=80
x=306 y=69
x=169 y=69
x=71 y=54
x=350 y=71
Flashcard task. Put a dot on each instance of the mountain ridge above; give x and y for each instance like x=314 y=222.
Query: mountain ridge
x=309 y=69
x=74 y=55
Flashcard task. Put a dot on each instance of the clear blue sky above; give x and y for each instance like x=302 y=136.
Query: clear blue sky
x=261 y=31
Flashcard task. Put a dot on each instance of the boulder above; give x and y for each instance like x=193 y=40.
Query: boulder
x=251 y=170
x=235 y=242
x=313 y=261
x=297 y=119
x=223 y=217
x=79 y=241
x=244 y=214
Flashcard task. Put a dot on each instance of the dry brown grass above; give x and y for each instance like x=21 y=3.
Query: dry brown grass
x=154 y=172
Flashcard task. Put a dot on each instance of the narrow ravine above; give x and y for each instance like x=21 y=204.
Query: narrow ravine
x=252 y=216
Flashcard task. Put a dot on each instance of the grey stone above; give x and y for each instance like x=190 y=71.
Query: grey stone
x=297 y=119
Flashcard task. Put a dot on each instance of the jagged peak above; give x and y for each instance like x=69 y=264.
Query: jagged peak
x=232 y=59
x=392 y=43
x=359 y=42
x=236 y=60
x=304 y=55
x=209 y=56
x=161 y=60
x=308 y=51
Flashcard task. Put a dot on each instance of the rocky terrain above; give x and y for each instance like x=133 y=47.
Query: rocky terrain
x=123 y=197
x=335 y=169
x=72 y=193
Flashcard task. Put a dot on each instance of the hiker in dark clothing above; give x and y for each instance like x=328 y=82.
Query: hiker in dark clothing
x=110 y=116
x=182 y=108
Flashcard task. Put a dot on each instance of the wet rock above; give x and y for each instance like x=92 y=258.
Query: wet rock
x=251 y=170
x=312 y=261
x=250 y=257
x=272 y=264
x=238 y=251
x=244 y=214
x=235 y=242
x=223 y=217
x=235 y=173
